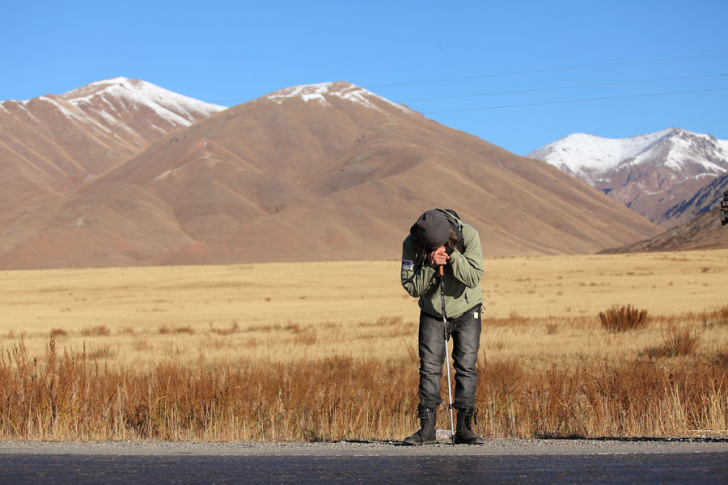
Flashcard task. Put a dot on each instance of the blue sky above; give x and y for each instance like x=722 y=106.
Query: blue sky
x=519 y=74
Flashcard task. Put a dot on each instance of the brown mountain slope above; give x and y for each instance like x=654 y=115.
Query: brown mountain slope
x=702 y=232
x=321 y=172
x=49 y=145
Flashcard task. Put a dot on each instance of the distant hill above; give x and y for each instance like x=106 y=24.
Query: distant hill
x=312 y=173
x=702 y=232
x=653 y=174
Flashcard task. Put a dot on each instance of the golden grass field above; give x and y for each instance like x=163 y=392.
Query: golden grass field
x=541 y=317
x=284 y=312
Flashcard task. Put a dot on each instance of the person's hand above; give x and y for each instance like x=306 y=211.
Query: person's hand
x=438 y=257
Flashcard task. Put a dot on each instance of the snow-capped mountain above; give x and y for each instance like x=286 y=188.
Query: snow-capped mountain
x=118 y=116
x=52 y=144
x=649 y=173
x=104 y=98
x=99 y=124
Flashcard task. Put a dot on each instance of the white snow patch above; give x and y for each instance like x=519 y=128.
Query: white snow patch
x=703 y=175
x=78 y=222
x=307 y=93
x=24 y=106
x=341 y=90
x=163 y=175
x=319 y=97
x=175 y=108
x=66 y=110
x=161 y=130
x=76 y=114
x=109 y=118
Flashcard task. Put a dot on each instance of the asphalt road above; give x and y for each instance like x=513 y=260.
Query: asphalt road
x=498 y=461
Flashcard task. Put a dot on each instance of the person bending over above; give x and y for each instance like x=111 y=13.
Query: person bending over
x=440 y=238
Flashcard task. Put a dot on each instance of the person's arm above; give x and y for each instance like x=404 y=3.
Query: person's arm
x=468 y=267
x=416 y=278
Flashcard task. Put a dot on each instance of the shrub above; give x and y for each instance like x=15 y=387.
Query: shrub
x=226 y=331
x=104 y=351
x=678 y=342
x=718 y=316
x=623 y=318
x=721 y=314
x=99 y=330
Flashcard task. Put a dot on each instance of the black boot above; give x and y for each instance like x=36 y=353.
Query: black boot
x=426 y=434
x=464 y=432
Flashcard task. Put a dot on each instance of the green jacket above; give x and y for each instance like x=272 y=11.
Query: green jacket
x=462 y=276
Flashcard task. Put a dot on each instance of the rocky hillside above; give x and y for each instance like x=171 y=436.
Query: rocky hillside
x=702 y=232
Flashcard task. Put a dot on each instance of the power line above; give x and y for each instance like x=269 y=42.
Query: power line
x=538 y=71
x=644 y=81
x=567 y=101
x=557 y=88
x=484 y=108
x=515 y=73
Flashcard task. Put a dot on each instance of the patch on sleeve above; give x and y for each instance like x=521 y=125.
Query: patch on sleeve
x=407 y=265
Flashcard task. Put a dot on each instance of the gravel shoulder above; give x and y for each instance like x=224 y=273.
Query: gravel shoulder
x=371 y=448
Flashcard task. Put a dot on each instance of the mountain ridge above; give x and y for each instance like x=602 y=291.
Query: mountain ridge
x=310 y=173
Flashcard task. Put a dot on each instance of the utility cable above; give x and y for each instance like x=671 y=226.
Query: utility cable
x=539 y=71
x=515 y=73
x=559 y=88
x=567 y=101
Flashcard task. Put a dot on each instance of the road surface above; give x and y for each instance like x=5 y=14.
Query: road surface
x=498 y=461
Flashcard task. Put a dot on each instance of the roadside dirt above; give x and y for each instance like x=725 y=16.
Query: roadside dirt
x=374 y=448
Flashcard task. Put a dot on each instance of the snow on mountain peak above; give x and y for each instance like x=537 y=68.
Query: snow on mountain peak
x=343 y=90
x=589 y=157
x=131 y=93
x=306 y=92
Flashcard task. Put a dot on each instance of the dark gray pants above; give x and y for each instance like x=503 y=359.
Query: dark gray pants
x=465 y=332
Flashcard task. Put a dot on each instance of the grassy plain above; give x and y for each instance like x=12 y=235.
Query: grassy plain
x=537 y=309
x=295 y=333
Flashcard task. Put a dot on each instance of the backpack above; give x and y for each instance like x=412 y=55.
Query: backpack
x=455 y=224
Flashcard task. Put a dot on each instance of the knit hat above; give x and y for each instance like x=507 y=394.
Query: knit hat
x=433 y=229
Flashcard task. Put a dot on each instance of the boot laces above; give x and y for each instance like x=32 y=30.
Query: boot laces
x=472 y=413
x=422 y=412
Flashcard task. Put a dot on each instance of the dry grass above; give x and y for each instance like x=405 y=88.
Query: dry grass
x=328 y=351
x=678 y=342
x=623 y=318
x=70 y=396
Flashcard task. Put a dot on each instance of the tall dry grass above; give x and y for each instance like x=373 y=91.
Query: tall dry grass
x=329 y=351
x=71 y=396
